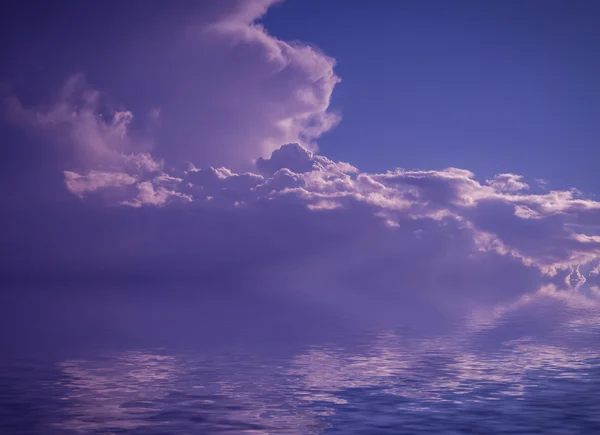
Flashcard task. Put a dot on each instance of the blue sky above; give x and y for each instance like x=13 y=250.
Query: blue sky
x=495 y=87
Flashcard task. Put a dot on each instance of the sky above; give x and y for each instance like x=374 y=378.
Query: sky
x=494 y=87
x=201 y=168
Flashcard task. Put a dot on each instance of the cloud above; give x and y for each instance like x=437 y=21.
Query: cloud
x=439 y=244
x=463 y=244
x=149 y=195
x=81 y=184
x=291 y=156
x=202 y=191
x=507 y=183
x=215 y=90
x=78 y=119
x=302 y=77
x=398 y=247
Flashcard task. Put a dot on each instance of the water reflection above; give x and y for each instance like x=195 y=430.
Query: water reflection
x=115 y=392
x=383 y=384
x=156 y=393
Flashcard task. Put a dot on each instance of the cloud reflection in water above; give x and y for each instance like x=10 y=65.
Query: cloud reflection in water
x=385 y=380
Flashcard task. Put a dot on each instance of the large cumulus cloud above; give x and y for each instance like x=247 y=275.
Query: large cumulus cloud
x=222 y=89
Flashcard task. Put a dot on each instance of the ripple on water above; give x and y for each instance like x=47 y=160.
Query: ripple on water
x=388 y=386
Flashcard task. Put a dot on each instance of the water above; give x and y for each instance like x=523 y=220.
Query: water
x=379 y=384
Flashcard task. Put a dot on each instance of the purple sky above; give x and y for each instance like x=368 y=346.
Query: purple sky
x=177 y=145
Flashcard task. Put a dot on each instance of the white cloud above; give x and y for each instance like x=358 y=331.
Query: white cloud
x=507 y=183
x=81 y=184
x=148 y=194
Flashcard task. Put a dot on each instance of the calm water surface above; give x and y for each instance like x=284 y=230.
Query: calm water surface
x=380 y=384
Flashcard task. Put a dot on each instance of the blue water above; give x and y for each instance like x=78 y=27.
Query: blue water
x=383 y=384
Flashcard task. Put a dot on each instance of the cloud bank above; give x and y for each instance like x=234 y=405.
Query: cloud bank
x=418 y=247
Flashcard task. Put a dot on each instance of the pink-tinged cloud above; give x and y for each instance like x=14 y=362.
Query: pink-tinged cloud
x=494 y=217
x=220 y=91
x=418 y=247
x=94 y=180
x=507 y=183
x=419 y=243
x=150 y=195
x=78 y=121
x=272 y=91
